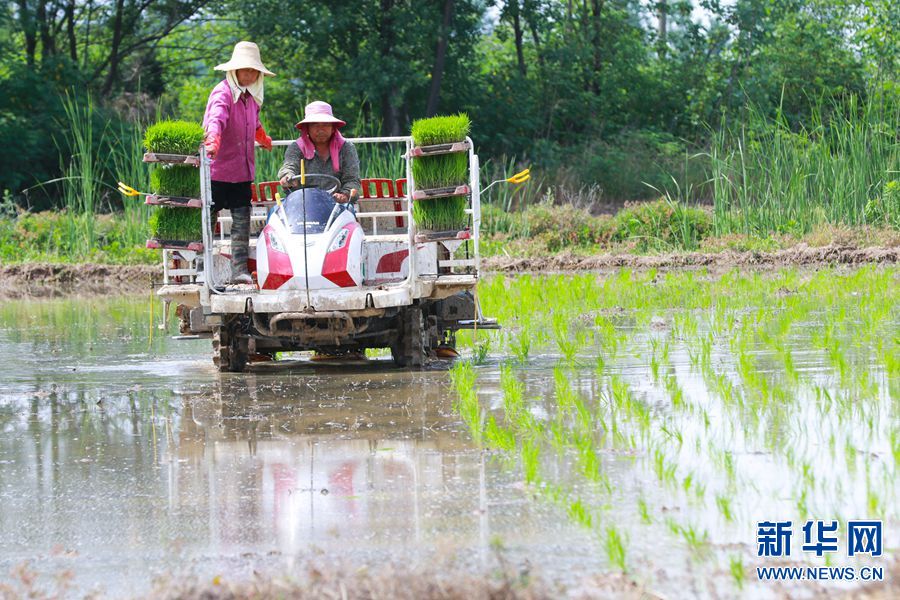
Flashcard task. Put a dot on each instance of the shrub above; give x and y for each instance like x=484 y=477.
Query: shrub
x=661 y=224
x=175 y=180
x=174 y=137
x=885 y=209
x=171 y=223
x=565 y=226
x=441 y=130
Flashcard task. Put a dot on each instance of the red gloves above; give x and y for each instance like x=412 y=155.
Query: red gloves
x=212 y=145
x=263 y=140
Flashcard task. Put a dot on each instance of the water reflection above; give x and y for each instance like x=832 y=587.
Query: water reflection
x=122 y=460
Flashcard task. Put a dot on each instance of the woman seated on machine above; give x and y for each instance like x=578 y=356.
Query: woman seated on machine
x=326 y=152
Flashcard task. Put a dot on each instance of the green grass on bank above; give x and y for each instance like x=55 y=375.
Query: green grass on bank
x=647 y=228
x=44 y=237
x=539 y=230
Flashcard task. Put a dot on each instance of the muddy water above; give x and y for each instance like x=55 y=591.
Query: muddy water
x=122 y=459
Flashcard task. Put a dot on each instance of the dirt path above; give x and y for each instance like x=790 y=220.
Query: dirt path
x=801 y=255
x=54 y=280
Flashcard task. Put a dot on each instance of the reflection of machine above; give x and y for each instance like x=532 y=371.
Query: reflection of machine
x=362 y=470
x=332 y=281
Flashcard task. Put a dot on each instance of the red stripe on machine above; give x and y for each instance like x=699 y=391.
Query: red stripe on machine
x=391 y=262
x=280 y=269
x=334 y=269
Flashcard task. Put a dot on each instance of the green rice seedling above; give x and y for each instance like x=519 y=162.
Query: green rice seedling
x=441 y=214
x=565 y=396
x=498 y=437
x=567 y=346
x=644 y=511
x=737 y=570
x=665 y=472
x=513 y=392
x=174 y=137
x=673 y=434
x=676 y=394
x=579 y=513
x=614 y=544
x=530 y=454
x=441 y=130
x=481 y=350
x=599 y=365
x=175 y=180
x=521 y=345
x=587 y=456
x=444 y=170
x=724 y=504
x=171 y=223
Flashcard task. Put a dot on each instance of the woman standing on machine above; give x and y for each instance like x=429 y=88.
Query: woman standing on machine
x=232 y=125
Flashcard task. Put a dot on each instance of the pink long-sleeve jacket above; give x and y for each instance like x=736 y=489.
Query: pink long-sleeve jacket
x=236 y=124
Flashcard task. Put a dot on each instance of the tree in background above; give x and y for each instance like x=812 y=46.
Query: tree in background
x=597 y=91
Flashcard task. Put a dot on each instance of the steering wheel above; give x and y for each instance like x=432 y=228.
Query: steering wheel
x=329 y=178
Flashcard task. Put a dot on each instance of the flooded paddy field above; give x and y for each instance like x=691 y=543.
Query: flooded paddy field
x=624 y=434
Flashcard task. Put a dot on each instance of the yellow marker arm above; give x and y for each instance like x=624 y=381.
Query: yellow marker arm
x=520 y=177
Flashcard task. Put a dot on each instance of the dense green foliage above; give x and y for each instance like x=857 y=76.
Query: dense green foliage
x=54 y=237
x=175 y=180
x=173 y=137
x=781 y=112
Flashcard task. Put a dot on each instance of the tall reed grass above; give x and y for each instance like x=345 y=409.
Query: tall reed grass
x=767 y=177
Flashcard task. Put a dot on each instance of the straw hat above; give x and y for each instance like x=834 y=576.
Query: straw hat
x=244 y=56
x=319 y=112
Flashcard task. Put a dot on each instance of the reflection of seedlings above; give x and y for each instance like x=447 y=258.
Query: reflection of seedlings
x=697 y=541
x=654 y=361
x=724 y=504
x=462 y=377
x=676 y=394
x=615 y=547
x=579 y=513
x=644 y=511
x=664 y=472
x=738 y=572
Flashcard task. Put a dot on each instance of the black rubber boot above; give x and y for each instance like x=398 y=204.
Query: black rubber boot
x=240 y=245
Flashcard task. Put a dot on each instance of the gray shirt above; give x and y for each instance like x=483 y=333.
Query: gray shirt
x=348 y=174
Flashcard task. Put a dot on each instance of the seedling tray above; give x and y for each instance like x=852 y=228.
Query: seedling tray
x=441 y=236
x=444 y=192
x=437 y=149
x=158 y=244
x=172 y=159
x=176 y=201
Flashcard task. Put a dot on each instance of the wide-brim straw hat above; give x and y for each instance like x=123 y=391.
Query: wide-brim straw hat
x=319 y=112
x=245 y=56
